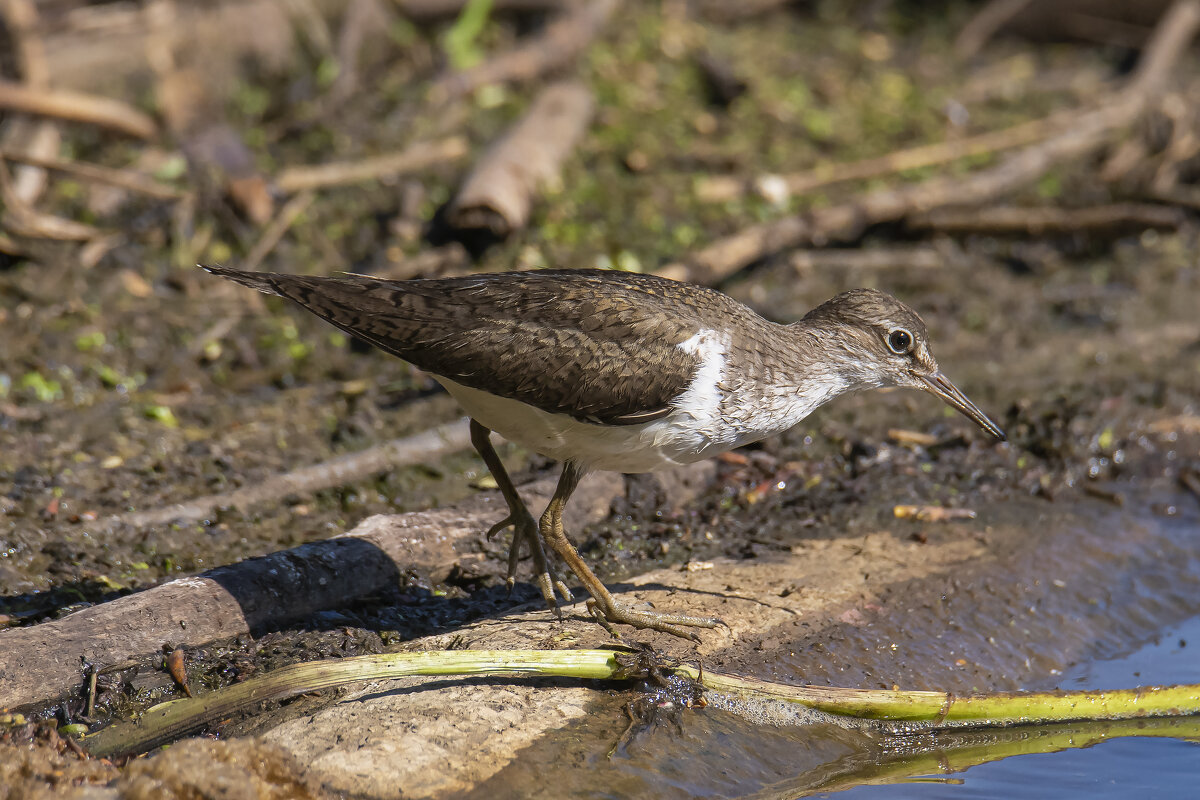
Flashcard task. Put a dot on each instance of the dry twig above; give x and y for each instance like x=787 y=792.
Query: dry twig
x=411 y=159
x=276 y=228
x=104 y=112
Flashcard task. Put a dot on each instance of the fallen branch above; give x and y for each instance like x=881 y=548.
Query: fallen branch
x=555 y=47
x=919 y=711
x=48 y=660
x=498 y=194
x=412 y=159
x=1112 y=219
x=103 y=112
x=339 y=471
x=1090 y=131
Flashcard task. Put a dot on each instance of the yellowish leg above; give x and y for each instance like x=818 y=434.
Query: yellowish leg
x=520 y=520
x=602 y=605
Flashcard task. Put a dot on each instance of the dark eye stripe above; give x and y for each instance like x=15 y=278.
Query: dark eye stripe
x=900 y=341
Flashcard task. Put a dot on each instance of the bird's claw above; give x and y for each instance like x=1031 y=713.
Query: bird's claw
x=606 y=612
x=526 y=530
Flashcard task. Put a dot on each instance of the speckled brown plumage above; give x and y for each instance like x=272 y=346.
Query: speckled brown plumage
x=594 y=344
x=608 y=370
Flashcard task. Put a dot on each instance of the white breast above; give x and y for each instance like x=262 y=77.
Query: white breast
x=715 y=413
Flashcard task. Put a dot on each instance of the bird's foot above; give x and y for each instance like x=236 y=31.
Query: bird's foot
x=526 y=530
x=608 y=611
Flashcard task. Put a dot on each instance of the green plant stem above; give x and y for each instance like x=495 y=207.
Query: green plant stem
x=929 y=710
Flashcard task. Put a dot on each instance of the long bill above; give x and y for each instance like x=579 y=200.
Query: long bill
x=941 y=386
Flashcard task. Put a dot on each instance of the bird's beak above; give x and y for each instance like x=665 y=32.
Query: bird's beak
x=940 y=385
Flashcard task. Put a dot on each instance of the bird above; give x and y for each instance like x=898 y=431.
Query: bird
x=620 y=371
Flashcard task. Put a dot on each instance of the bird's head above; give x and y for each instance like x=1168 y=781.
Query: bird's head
x=878 y=341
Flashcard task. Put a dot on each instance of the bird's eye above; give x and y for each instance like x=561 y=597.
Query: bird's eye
x=900 y=341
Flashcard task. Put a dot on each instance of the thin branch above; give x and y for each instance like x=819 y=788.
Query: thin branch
x=339 y=471
x=555 y=47
x=414 y=158
x=277 y=227
x=127 y=179
x=929 y=155
x=1112 y=219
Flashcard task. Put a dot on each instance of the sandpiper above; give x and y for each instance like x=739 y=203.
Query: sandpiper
x=606 y=370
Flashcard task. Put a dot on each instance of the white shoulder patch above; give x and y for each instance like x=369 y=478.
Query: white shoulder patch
x=702 y=399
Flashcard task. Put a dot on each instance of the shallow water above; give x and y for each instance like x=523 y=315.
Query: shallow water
x=1116 y=768
x=1106 y=604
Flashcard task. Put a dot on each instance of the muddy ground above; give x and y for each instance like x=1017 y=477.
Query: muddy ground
x=141 y=382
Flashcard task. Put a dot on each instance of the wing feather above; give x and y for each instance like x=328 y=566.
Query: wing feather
x=598 y=346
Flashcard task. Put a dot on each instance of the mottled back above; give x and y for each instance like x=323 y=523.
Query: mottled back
x=597 y=345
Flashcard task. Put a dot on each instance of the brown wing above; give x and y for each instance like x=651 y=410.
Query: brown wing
x=597 y=345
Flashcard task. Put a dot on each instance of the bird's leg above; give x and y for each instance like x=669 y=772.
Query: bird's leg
x=521 y=521
x=602 y=606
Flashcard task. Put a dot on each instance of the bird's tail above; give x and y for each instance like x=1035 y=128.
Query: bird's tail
x=263 y=281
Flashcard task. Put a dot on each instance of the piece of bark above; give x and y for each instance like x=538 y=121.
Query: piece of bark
x=1091 y=131
x=498 y=194
x=44 y=661
x=562 y=40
